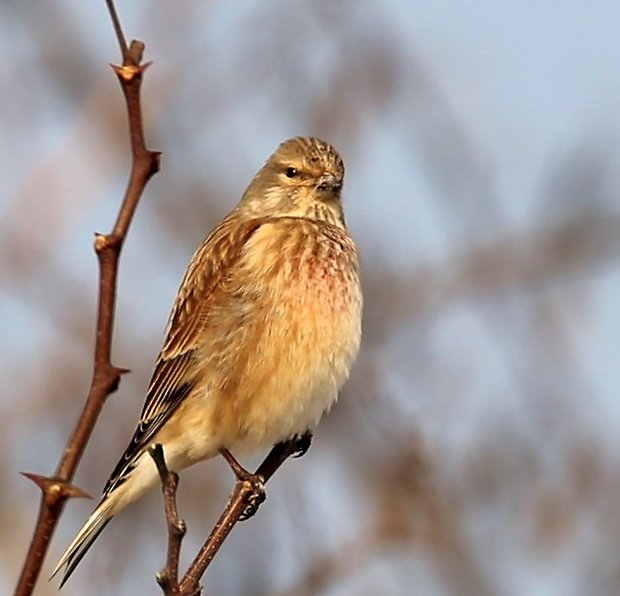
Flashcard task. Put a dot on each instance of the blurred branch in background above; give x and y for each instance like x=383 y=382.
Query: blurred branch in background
x=579 y=245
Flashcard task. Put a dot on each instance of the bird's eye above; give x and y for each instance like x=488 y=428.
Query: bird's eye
x=291 y=172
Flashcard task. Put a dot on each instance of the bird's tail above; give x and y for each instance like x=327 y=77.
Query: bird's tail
x=94 y=525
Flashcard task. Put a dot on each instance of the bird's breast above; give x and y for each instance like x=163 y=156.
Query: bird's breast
x=304 y=318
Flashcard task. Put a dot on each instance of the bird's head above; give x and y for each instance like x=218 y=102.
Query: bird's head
x=303 y=178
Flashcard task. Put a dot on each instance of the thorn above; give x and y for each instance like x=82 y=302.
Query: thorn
x=105 y=241
x=53 y=487
x=114 y=374
x=100 y=241
x=161 y=577
x=154 y=162
x=127 y=73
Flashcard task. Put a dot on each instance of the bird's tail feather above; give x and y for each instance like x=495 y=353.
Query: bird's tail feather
x=94 y=525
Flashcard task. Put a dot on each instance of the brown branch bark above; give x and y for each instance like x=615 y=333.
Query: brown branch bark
x=57 y=489
x=246 y=496
x=168 y=577
x=242 y=497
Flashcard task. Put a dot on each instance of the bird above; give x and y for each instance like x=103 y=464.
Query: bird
x=262 y=334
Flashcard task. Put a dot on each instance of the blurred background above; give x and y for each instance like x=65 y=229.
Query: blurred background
x=476 y=449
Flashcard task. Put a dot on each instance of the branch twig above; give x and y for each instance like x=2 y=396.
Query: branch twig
x=243 y=497
x=106 y=377
x=168 y=577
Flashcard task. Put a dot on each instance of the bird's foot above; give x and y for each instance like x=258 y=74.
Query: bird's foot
x=256 y=497
x=255 y=483
x=301 y=444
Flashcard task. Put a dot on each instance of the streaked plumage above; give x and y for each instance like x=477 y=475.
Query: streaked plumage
x=262 y=334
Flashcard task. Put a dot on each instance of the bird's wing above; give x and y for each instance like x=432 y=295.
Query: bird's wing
x=175 y=371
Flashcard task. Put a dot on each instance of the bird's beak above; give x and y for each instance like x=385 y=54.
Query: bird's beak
x=329 y=183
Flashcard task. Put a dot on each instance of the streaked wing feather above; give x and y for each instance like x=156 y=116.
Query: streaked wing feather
x=169 y=374
x=169 y=396
x=174 y=374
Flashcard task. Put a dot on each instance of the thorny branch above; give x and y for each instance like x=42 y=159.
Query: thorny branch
x=57 y=489
x=106 y=378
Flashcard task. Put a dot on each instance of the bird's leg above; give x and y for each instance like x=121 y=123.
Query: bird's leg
x=300 y=444
x=296 y=446
x=238 y=470
x=255 y=481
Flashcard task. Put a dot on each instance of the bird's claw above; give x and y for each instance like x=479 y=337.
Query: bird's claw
x=256 y=484
x=301 y=443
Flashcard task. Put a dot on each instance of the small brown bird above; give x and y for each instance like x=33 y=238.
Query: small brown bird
x=263 y=332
